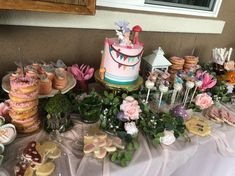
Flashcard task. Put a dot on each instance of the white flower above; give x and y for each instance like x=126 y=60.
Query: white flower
x=168 y=137
x=131 y=128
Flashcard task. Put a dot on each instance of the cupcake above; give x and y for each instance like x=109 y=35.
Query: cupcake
x=49 y=71
x=45 y=85
x=60 y=81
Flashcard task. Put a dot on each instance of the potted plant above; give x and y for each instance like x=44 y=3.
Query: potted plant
x=90 y=107
x=58 y=110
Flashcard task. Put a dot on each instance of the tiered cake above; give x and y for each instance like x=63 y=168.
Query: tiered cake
x=23 y=102
x=121 y=57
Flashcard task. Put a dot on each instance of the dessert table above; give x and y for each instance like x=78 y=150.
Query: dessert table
x=213 y=155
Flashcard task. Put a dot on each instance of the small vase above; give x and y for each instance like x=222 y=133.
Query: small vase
x=83 y=85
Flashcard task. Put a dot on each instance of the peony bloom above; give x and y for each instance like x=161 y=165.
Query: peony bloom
x=203 y=100
x=130 y=108
x=4 y=109
x=84 y=72
x=207 y=80
x=131 y=128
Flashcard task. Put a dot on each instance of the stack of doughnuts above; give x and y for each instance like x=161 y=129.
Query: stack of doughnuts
x=24 y=104
x=177 y=65
x=190 y=62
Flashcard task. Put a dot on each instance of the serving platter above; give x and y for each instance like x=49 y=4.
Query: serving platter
x=71 y=84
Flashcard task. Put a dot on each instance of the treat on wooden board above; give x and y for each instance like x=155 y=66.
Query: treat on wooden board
x=198 y=126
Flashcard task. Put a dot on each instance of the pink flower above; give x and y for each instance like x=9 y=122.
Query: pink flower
x=203 y=100
x=207 y=80
x=4 y=109
x=130 y=108
x=81 y=73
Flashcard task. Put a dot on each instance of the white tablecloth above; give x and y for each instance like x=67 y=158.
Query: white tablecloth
x=209 y=156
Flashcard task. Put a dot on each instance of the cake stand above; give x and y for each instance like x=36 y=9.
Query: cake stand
x=71 y=84
x=117 y=87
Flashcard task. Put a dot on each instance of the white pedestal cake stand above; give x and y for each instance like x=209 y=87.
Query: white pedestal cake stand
x=71 y=84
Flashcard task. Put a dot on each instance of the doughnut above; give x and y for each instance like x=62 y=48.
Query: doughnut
x=191 y=59
x=31 y=74
x=31 y=129
x=21 y=107
x=25 y=122
x=177 y=60
x=176 y=67
x=45 y=87
x=24 y=84
x=21 y=98
x=23 y=115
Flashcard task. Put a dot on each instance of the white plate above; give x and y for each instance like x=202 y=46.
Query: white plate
x=71 y=84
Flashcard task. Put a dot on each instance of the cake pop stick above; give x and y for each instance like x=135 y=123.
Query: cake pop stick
x=189 y=86
x=163 y=89
x=177 y=88
x=149 y=85
x=198 y=83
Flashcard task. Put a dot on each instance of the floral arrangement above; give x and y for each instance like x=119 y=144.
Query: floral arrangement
x=162 y=127
x=203 y=100
x=82 y=74
x=120 y=115
x=208 y=81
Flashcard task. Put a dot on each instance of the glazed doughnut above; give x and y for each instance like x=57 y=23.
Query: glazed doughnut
x=191 y=59
x=23 y=115
x=31 y=129
x=21 y=107
x=188 y=66
x=177 y=60
x=31 y=74
x=176 y=67
x=24 y=84
x=25 y=122
x=21 y=98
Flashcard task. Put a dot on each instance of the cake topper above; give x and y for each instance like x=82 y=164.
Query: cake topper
x=124 y=33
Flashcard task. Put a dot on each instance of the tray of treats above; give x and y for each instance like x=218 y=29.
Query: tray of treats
x=51 y=79
x=221 y=114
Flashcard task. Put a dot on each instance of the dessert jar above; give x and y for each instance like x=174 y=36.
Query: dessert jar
x=90 y=109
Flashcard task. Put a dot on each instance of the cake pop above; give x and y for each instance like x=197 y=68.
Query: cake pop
x=149 y=85
x=177 y=87
x=163 y=89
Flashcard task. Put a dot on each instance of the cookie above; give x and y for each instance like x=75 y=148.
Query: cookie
x=89 y=148
x=48 y=147
x=33 y=152
x=55 y=154
x=198 y=126
x=100 y=153
x=45 y=169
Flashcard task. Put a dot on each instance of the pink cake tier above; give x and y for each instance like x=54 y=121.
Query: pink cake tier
x=121 y=63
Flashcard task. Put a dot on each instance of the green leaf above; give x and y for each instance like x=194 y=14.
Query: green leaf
x=130 y=147
x=106 y=93
x=156 y=141
x=136 y=145
x=128 y=156
x=114 y=157
x=111 y=96
x=124 y=96
x=116 y=100
x=123 y=162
